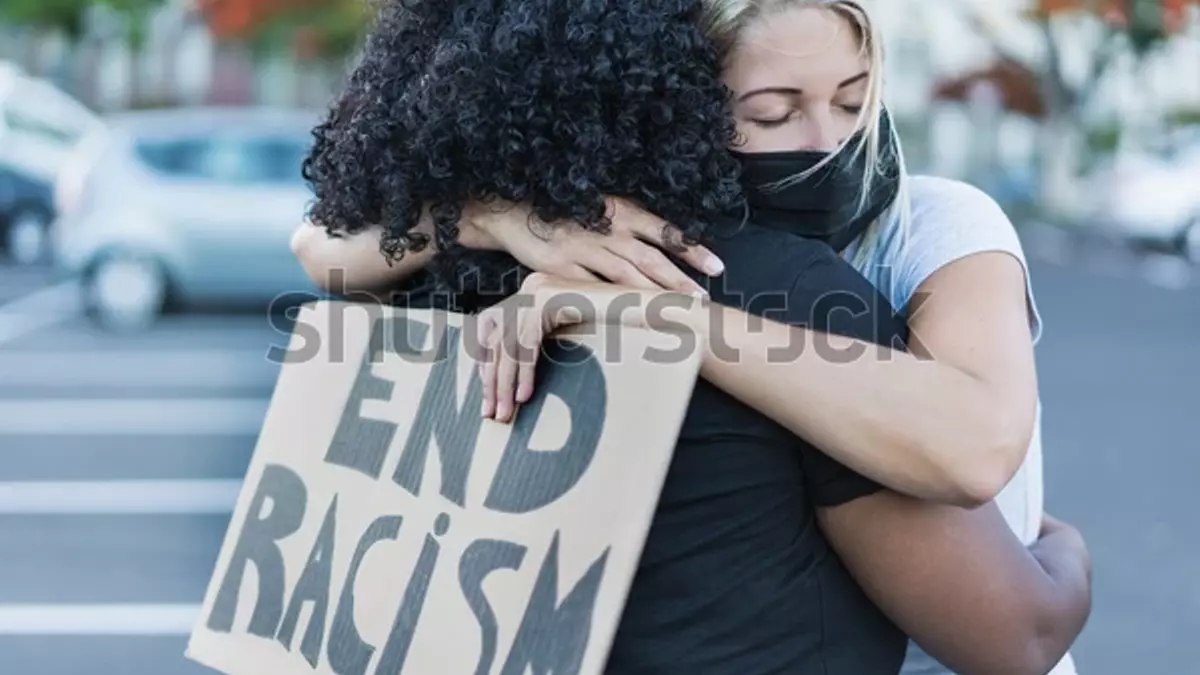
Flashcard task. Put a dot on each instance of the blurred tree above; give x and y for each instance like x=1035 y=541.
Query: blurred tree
x=42 y=18
x=311 y=28
x=330 y=29
x=66 y=16
x=317 y=35
x=1113 y=27
x=136 y=15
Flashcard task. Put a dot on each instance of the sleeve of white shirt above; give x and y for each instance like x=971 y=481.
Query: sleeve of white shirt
x=950 y=221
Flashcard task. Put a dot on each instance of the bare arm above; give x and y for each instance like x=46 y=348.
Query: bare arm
x=352 y=262
x=951 y=430
x=355 y=262
x=957 y=580
x=949 y=421
x=961 y=584
x=628 y=255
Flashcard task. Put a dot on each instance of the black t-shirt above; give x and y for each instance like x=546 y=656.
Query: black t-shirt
x=735 y=577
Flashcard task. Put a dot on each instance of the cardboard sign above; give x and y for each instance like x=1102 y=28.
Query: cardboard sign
x=386 y=528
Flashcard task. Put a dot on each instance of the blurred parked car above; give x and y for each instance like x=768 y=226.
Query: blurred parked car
x=175 y=207
x=1153 y=199
x=26 y=210
x=39 y=128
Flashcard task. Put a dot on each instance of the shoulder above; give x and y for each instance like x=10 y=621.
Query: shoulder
x=949 y=220
x=947 y=208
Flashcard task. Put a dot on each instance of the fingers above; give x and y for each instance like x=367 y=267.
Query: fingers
x=703 y=260
x=506 y=375
x=654 y=266
x=615 y=267
x=511 y=341
x=515 y=369
x=576 y=272
x=645 y=225
x=489 y=339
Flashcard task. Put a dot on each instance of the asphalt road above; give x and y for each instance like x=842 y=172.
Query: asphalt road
x=121 y=457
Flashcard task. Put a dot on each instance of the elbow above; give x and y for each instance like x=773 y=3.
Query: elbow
x=305 y=245
x=976 y=478
x=1054 y=634
x=1031 y=653
x=300 y=242
x=1050 y=631
x=1039 y=656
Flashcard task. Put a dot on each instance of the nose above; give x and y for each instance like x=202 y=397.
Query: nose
x=821 y=133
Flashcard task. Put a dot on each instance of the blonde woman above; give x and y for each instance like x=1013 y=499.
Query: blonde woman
x=951 y=422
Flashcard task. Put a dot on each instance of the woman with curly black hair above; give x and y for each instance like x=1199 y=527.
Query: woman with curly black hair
x=557 y=103
x=457 y=103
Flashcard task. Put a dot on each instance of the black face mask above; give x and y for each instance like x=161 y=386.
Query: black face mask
x=825 y=205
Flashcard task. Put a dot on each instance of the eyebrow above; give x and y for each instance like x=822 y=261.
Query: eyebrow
x=792 y=91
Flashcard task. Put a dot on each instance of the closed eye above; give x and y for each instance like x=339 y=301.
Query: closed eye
x=771 y=123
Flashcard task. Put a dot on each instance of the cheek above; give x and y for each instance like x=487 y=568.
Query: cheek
x=844 y=124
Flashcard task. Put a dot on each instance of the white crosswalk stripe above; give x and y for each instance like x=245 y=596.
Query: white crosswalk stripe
x=66 y=391
x=119 y=497
x=166 y=370
x=131 y=417
x=107 y=620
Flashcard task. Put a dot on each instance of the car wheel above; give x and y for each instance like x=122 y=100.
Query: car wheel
x=126 y=292
x=28 y=238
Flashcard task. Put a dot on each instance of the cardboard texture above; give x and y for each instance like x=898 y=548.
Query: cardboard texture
x=384 y=527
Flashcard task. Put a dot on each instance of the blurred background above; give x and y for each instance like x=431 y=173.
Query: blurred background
x=149 y=182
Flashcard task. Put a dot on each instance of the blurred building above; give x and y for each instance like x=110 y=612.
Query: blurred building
x=194 y=52
x=964 y=77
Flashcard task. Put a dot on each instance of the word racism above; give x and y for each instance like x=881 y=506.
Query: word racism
x=552 y=635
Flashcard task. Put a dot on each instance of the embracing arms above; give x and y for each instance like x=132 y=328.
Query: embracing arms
x=630 y=255
x=949 y=422
x=960 y=583
x=957 y=580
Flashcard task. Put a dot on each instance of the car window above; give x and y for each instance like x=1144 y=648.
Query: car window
x=180 y=158
x=277 y=160
x=228 y=159
x=227 y=162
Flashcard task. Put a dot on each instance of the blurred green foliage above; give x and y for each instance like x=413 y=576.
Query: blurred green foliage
x=1104 y=139
x=1184 y=117
x=1145 y=29
x=66 y=16
x=136 y=14
x=332 y=28
x=70 y=16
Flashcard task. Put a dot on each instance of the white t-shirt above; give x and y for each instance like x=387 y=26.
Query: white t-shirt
x=950 y=221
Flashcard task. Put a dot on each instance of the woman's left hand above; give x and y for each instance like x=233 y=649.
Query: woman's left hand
x=511 y=335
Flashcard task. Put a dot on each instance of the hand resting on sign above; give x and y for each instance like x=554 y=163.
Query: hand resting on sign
x=511 y=333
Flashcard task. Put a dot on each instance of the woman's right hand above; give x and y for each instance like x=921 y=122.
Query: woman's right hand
x=629 y=255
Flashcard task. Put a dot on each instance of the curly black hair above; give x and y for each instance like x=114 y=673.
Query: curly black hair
x=555 y=103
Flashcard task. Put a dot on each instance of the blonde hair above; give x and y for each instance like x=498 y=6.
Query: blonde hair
x=725 y=21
